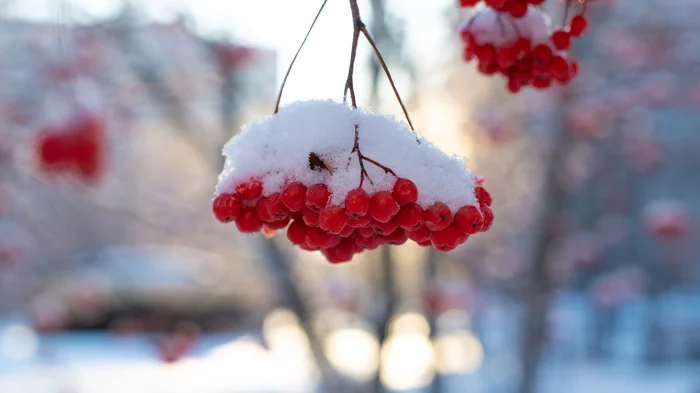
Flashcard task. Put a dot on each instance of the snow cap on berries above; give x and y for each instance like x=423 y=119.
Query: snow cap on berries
x=276 y=150
x=488 y=26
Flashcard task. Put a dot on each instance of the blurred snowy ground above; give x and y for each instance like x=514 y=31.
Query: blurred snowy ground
x=241 y=362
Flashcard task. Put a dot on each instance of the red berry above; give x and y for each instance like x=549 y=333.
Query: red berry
x=542 y=53
x=467 y=3
x=446 y=239
x=517 y=9
x=425 y=243
x=249 y=191
x=383 y=206
x=486 y=53
x=514 y=85
x=578 y=25
x=488 y=217
x=366 y=231
x=336 y=240
x=495 y=3
x=248 y=221
x=347 y=231
x=296 y=233
x=397 y=237
x=343 y=252
x=261 y=208
x=505 y=57
x=405 y=191
x=359 y=222
x=438 y=217
x=419 y=235
x=317 y=197
x=522 y=48
x=310 y=217
x=373 y=242
x=469 y=220
x=332 y=219
x=318 y=239
x=293 y=196
x=483 y=196
x=541 y=82
x=226 y=207
x=385 y=228
x=279 y=224
x=410 y=217
x=561 y=40
x=275 y=206
x=560 y=68
x=357 y=202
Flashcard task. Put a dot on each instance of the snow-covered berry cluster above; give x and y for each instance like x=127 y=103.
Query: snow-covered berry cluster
x=76 y=147
x=334 y=190
x=514 y=38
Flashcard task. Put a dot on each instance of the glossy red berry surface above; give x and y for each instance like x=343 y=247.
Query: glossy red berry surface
x=261 y=208
x=404 y=191
x=419 y=235
x=383 y=206
x=561 y=39
x=310 y=217
x=318 y=239
x=248 y=221
x=293 y=196
x=488 y=217
x=332 y=219
x=437 y=217
x=357 y=202
x=296 y=233
x=410 y=217
x=317 y=197
x=385 y=228
x=483 y=196
x=250 y=190
x=578 y=25
x=469 y=219
x=226 y=207
x=446 y=239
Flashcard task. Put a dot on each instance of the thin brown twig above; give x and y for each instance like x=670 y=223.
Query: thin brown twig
x=566 y=13
x=364 y=31
x=360 y=157
x=359 y=26
x=385 y=168
x=294 y=59
x=350 y=83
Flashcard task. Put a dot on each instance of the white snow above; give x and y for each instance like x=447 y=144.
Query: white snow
x=489 y=26
x=275 y=149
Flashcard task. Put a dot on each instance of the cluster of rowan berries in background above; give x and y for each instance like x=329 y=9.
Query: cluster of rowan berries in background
x=514 y=38
x=362 y=222
x=76 y=147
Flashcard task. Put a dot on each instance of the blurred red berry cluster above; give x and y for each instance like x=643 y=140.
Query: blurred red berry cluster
x=514 y=38
x=76 y=147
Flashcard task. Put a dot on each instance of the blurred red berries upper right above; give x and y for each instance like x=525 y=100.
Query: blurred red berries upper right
x=515 y=38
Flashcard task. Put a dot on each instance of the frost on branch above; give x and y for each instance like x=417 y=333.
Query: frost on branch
x=349 y=180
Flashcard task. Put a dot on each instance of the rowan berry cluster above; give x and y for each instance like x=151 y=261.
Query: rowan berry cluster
x=76 y=147
x=514 y=38
x=362 y=222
